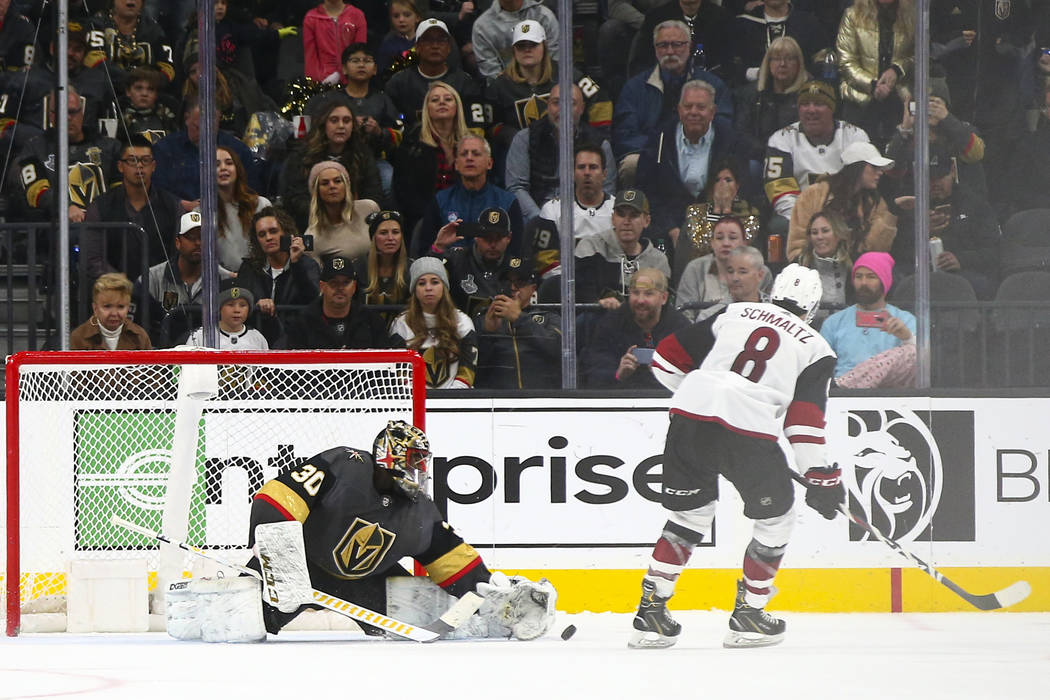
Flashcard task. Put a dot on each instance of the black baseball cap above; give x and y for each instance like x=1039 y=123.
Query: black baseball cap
x=336 y=266
x=520 y=270
x=494 y=222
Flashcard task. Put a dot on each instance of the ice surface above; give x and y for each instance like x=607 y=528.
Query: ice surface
x=947 y=655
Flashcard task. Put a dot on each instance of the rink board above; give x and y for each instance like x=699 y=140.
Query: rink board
x=568 y=489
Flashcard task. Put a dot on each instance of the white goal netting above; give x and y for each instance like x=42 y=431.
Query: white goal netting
x=89 y=441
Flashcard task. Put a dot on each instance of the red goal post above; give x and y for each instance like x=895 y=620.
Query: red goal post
x=90 y=435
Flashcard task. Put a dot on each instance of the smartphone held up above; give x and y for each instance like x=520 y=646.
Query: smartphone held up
x=308 y=242
x=871 y=319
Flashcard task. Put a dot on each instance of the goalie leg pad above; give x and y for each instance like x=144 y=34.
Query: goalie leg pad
x=180 y=612
x=216 y=610
x=230 y=609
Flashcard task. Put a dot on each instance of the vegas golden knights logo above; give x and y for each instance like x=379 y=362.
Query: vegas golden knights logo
x=437 y=367
x=531 y=108
x=86 y=181
x=362 y=549
x=493 y=217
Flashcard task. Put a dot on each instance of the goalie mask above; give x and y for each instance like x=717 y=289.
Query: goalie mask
x=404 y=450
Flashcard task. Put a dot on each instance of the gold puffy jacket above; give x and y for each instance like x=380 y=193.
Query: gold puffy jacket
x=858 y=49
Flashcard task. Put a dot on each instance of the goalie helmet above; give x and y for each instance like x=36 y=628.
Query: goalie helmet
x=798 y=289
x=403 y=449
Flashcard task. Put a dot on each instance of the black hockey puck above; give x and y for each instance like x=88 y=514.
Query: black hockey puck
x=566 y=634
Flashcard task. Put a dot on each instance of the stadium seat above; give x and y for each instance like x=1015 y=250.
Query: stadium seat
x=1022 y=324
x=1025 y=244
x=956 y=350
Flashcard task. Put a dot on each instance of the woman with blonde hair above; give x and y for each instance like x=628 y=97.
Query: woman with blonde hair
x=519 y=94
x=238 y=203
x=770 y=103
x=337 y=220
x=876 y=51
x=436 y=329
x=827 y=250
x=424 y=163
x=382 y=274
x=109 y=327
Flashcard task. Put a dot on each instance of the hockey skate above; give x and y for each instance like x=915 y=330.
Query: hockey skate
x=752 y=627
x=654 y=628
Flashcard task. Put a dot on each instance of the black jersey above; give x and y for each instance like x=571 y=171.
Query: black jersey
x=353 y=531
x=146 y=47
x=92 y=169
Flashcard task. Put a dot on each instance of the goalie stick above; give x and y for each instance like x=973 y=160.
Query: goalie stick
x=455 y=616
x=1011 y=595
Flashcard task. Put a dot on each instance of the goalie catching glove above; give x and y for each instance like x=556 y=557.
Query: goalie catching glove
x=522 y=607
x=824 y=490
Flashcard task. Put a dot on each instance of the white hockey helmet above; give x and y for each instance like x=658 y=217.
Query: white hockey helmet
x=798 y=289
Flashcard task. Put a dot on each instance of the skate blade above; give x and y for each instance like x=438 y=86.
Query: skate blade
x=650 y=640
x=746 y=640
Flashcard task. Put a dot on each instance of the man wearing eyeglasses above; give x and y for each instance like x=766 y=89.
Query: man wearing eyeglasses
x=650 y=98
x=92 y=164
x=137 y=201
x=707 y=23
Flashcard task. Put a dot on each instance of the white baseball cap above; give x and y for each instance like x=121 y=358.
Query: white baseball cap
x=864 y=152
x=529 y=30
x=428 y=24
x=189 y=221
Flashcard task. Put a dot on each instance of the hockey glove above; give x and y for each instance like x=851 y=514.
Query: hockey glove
x=824 y=490
x=524 y=607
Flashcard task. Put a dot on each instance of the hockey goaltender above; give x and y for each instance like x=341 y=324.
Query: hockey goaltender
x=361 y=511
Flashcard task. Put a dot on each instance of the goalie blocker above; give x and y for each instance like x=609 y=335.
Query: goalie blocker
x=361 y=512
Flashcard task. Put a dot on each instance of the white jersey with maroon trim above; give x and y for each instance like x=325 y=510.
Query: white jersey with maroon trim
x=755 y=368
x=793 y=163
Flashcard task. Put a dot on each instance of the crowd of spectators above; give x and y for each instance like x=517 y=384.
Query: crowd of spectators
x=398 y=185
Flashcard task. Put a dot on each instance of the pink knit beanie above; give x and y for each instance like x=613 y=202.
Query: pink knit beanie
x=879 y=263
x=315 y=171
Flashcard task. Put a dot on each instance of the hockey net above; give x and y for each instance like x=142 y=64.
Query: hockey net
x=90 y=435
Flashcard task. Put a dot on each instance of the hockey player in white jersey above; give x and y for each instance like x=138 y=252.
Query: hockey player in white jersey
x=740 y=378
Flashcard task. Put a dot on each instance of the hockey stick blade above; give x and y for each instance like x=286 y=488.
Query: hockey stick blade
x=459 y=613
x=1011 y=595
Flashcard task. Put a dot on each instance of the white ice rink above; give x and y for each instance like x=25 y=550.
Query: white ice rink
x=948 y=655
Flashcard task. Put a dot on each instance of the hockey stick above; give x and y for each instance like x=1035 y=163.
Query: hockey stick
x=455 y=616
x=1011 y=595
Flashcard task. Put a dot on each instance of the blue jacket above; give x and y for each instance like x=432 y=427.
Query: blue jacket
x=457 y=202
x=640 y=109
